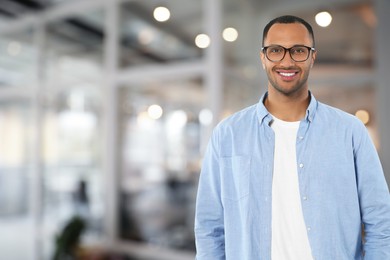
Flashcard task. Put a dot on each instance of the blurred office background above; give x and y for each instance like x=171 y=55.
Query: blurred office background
x=106 y=107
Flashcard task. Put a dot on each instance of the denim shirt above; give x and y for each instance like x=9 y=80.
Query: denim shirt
x=341 y=182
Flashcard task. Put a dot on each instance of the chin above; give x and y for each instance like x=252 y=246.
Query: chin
x=289 y=91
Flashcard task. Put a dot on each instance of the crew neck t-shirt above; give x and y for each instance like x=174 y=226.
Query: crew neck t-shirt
x=289 y=233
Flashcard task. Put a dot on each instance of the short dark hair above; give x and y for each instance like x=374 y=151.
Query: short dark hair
x=286 y=19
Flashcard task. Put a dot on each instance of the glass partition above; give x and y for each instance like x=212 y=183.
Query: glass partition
x=74 y=51
x=73 y=138
x=161 y=125
x=17 y=59
x=72 y=168
x=15 y=157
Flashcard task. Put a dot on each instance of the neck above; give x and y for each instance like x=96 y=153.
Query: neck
x=287 y=108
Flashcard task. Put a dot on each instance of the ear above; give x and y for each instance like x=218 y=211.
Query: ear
x=262 y=59
x=313 y=58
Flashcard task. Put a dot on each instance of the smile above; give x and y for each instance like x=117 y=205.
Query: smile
x=287 y=74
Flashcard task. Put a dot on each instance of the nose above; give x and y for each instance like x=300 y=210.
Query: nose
x=287 y=60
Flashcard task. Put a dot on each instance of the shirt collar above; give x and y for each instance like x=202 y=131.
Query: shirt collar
x=265 y=117
x=312 y=108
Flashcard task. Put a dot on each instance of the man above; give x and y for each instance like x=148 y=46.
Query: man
x=291 y=178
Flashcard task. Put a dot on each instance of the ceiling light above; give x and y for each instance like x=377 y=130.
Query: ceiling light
x=230 y=34
x=178 y=118
x=161 y=14
x=155 y=111
x=206 y=117
x=363 y=115
x=202 y=41
x=323 y=19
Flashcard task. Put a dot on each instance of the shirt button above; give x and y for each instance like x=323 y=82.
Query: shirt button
x=301 y=165
x=300 y=137
x=308 y=229
x=304 y=198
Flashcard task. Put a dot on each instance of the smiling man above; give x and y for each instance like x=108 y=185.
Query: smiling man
x=291 y=178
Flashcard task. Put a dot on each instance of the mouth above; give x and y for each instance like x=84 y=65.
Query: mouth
x=287 y=75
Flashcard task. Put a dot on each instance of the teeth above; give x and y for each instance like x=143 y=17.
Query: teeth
x=287 y=74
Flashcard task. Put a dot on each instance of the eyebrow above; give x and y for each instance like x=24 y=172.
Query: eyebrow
x=295 y=45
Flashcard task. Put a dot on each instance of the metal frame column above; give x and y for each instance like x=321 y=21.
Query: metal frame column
x=110 y=176
x=212 y=10
x=36 y=173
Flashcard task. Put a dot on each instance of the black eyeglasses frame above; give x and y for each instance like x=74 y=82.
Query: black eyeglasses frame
x=310 y=49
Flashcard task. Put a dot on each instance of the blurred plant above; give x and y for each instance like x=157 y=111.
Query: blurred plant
x=68 y=241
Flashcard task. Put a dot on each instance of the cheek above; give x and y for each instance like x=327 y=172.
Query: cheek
x=306 y=71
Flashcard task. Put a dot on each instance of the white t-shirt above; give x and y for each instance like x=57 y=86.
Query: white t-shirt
x=289 y=234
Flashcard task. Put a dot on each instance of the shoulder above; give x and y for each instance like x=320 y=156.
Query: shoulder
x=332 y=116
x=238 y=120
x=235 y=133
x=336 y=114
x=236 y=126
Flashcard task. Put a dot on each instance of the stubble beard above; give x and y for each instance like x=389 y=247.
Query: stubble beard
x=291 y=90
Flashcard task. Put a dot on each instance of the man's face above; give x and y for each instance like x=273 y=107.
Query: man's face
x=288 y=76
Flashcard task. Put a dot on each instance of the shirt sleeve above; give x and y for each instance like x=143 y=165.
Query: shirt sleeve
x=209 y=221
x=374 y=198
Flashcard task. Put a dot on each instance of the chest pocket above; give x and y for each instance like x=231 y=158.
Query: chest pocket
x=235 y=173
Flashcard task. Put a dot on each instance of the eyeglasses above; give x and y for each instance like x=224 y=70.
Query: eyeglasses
x=298 y=53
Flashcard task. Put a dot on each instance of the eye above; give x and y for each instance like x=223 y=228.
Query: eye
x=299 y=50
x=275 y=50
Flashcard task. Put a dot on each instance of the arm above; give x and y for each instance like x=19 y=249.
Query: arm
x=374 y=199
x=209 y=222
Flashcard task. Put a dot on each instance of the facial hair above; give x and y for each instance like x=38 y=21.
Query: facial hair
x=299 y=84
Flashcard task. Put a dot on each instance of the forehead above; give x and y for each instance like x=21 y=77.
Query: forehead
x=288 y=35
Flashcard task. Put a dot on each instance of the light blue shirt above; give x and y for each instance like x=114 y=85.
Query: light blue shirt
x=341 y=184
